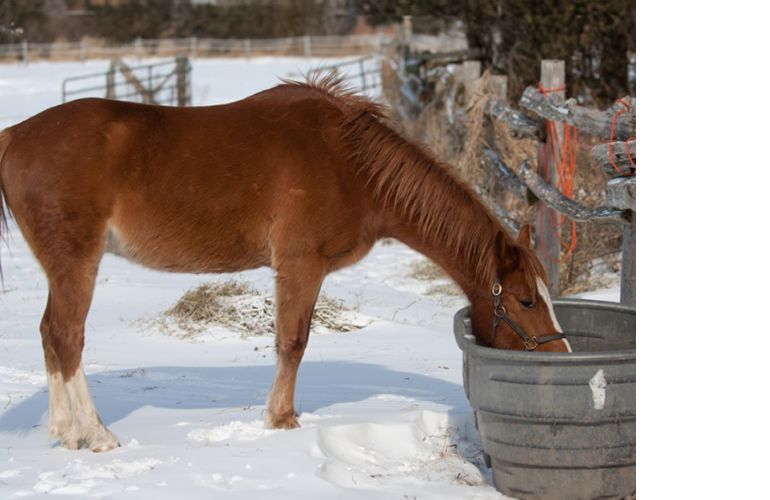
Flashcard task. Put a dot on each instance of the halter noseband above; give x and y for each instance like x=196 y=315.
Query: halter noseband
x=530 y=343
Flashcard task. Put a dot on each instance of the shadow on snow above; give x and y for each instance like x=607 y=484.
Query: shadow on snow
x=320 y=384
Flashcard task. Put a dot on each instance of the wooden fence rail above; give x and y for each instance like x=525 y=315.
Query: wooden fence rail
x=315 y=46
x=595 y=122
x=617 y=157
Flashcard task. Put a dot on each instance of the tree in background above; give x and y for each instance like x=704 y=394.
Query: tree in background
x=595 y=37
x=130 y=19
x=21 y=19
x=125 y=20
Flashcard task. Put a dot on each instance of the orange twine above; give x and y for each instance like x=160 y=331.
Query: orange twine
x=546 y=91
x=565 y=171
x=626 y=108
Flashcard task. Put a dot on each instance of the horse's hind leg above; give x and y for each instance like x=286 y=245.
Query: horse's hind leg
x=296 y=290
x=72 y=416
x=59 y=414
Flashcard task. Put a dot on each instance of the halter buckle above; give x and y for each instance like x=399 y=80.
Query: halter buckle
x=531 y=344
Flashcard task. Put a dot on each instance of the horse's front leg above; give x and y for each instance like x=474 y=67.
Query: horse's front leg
x=297 y=284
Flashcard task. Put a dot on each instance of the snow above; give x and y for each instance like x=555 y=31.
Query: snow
x=383 y=411
x=28 y=89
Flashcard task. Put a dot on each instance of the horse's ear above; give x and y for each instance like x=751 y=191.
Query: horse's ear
x=501 y=246
x=524 y=238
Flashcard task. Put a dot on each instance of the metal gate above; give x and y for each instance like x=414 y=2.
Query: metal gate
x=166 y=82
x=362 y=74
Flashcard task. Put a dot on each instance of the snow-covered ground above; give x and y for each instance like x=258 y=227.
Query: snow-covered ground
x=383 y=411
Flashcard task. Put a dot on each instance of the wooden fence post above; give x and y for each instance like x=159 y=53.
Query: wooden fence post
x=548 y=234
x=111 y=80
x=182 y=84
x=406 y=30
x=470 y=72
x=628 y=265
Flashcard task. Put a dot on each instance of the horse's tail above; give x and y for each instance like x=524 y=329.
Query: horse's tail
x=5 y=140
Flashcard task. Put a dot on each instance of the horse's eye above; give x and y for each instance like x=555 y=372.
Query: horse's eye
x=527 y=304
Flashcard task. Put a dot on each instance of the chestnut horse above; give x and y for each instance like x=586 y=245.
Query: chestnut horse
x=304 y=178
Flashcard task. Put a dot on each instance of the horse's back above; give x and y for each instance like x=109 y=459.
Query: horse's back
x=191 y=189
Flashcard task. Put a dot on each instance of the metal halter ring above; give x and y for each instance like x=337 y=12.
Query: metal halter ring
x=500 y=311
x=497 y=289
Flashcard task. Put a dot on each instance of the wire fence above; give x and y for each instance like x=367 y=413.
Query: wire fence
x=307 y=46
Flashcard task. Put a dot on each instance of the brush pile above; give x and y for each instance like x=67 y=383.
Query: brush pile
x=241 y=308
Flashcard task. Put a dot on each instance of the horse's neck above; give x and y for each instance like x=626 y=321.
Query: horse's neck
x=425 y=205
x=462 y=270
x=479 y=293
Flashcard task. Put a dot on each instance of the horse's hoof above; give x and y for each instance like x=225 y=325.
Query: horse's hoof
x=103 y=441
x=98 y=441
x=105 y=447
x=289 y=421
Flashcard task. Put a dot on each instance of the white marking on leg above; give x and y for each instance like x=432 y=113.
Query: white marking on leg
x=59 y=416
x=80 y=398
x=542 y=289
x=87 y=428
x=598 y=385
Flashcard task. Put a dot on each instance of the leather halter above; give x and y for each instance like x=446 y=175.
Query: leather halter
x=530 y=343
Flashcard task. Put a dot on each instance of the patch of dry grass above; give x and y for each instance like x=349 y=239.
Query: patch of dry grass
x=203 y=304
x=242 y=308
x=444 y=289
x=426 y=270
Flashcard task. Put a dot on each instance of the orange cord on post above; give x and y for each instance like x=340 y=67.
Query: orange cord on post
x=626 y=108
x=565 y=170
x=546 y=91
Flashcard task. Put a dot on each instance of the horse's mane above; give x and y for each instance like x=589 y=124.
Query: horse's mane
x=409 y=178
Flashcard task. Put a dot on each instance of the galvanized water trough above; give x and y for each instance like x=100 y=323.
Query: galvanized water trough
x=559 y=425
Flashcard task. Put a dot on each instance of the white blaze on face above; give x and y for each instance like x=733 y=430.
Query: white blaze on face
x=542 y=289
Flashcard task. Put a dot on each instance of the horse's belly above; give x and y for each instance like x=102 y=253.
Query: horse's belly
x=185 y=249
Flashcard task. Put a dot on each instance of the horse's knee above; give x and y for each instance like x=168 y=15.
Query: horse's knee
x=293 y=346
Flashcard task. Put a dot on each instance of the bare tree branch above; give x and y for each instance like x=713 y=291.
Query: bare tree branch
x=601 y=154
x=492 y=162
x=621 y=193
x=509 y=222
x=593 y=121
x=518 y=123
x=554 y=199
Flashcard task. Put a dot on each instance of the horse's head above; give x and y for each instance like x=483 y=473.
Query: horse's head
x=523 y=316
